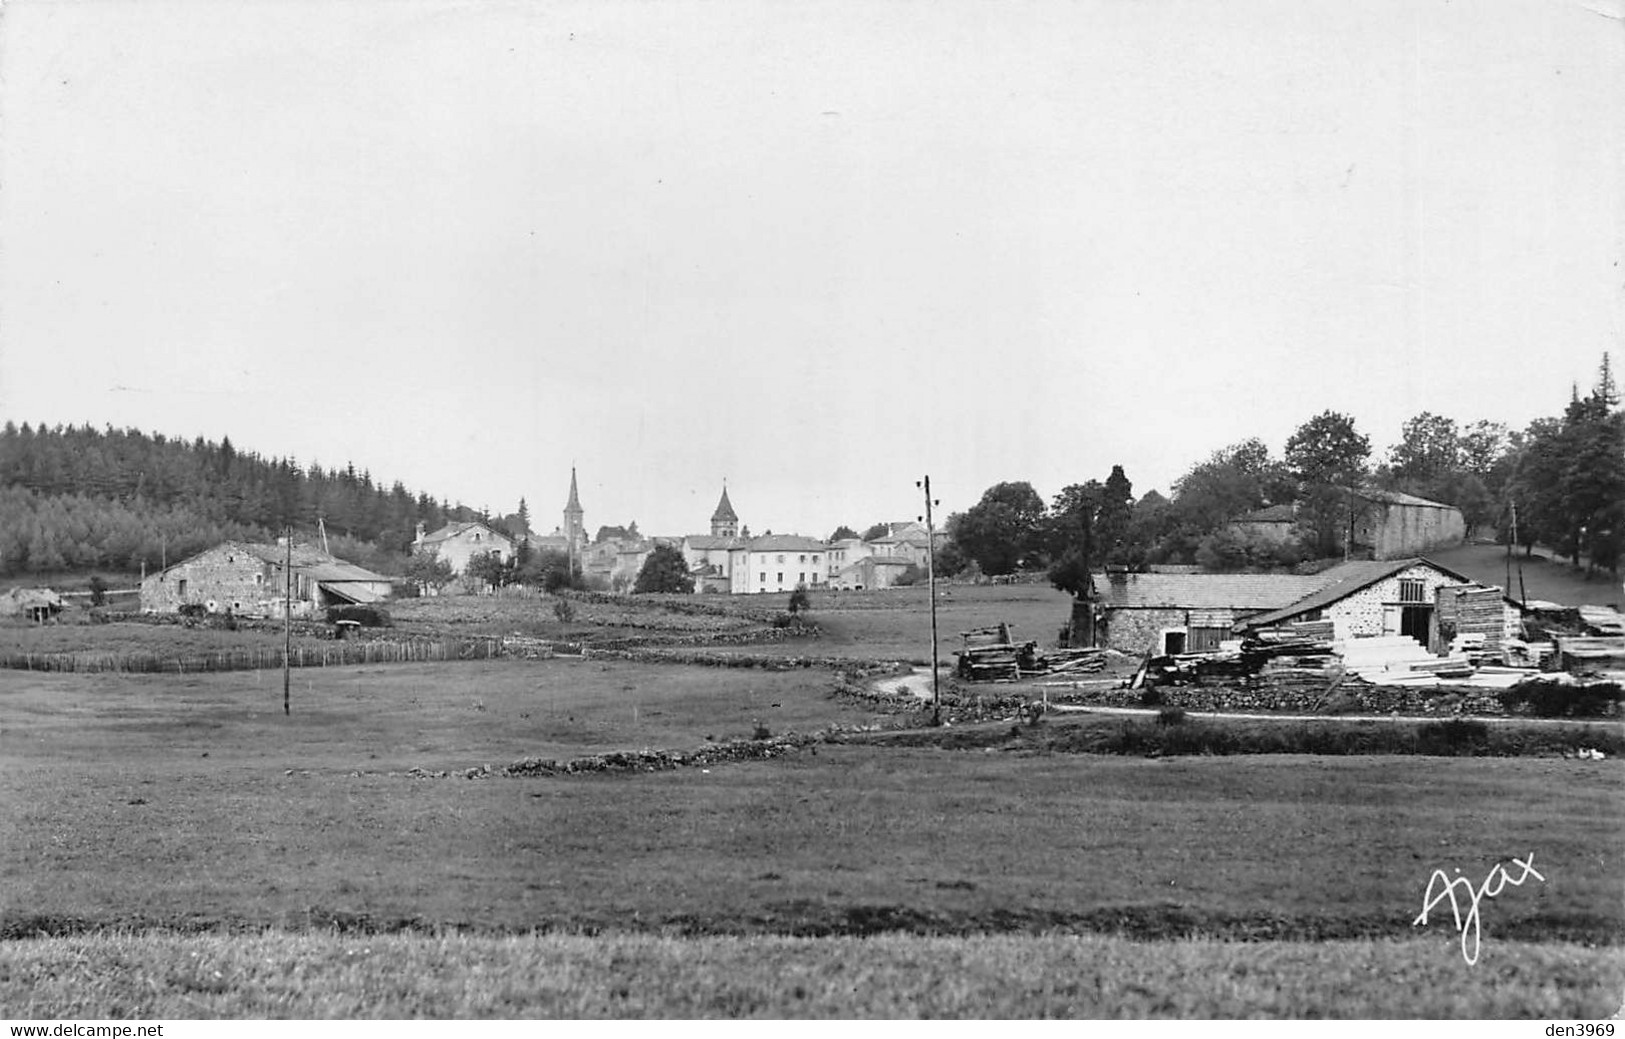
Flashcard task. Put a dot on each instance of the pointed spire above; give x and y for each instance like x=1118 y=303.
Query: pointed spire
x=574 y=505
x=725 y=509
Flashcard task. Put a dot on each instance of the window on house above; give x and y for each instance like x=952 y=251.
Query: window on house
x=802 y=577
x=781 y=559
x=1412 y=589
x=180 y=587
x=803 y=559
x=781 y=576
x=259 y=578
x=761 y=578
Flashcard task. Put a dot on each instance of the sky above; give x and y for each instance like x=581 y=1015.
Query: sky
x=812 y=251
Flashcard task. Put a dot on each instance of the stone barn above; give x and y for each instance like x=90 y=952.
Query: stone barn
x=1391 y=525
x=1178 y=613
x=247 y=579
x=1400 y=597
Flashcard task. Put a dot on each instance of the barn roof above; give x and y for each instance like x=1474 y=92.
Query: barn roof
x=1343 y=580
x=1203 y=591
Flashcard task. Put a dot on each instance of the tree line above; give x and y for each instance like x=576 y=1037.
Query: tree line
x=1559 y=482
x=76 y=498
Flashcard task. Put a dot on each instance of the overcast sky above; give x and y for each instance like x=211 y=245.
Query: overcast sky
x=813 y=249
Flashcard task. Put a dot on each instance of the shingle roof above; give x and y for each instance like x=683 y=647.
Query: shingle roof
x=1204 y=591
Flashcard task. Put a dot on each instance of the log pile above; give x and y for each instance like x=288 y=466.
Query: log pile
x=993 y=655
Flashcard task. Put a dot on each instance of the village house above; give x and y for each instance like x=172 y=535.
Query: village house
x=777 y=563
x=843 y=553
x=908 y=541
x=458 y=543
x=248 y=579
x=875 y=572
x=1277 y=524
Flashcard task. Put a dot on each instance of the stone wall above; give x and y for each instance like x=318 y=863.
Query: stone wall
x=1350 y=698
x=227 y=576
x=1363 y=612
x=1138 y=631
x=1397 y=531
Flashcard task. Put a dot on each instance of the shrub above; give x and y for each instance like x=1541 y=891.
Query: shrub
x=564 y=610
x=1456 y=737
x=1545 y=698
x=798 y=600
x=1151 y=696
x=1171 y=716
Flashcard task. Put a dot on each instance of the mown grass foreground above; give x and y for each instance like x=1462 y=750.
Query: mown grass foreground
x=279 y=975
x=193 y=817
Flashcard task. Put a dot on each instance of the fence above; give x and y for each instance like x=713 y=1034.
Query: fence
x=337 y=654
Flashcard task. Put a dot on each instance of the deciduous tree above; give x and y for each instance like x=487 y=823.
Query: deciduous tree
x=664 y=571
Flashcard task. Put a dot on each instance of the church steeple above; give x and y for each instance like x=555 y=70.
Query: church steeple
x=724 y=521
x=573 y=513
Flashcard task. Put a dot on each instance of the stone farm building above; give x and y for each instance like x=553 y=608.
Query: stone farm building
x=1415 y=597
x=36 y=604
x=247 y=579
x=458 y=543
x=1181 y=613
x=1392 y=525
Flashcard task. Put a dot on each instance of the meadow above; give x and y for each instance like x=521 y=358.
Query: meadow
x=176 y=846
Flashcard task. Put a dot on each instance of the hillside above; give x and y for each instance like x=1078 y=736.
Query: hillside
x=75 y=499
x=1543 y=578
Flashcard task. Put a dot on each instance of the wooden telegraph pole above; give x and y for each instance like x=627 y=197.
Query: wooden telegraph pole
x=931 y=585
x=287 y=619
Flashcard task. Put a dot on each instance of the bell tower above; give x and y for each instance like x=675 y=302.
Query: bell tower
x=724 y=521
x=574 y=529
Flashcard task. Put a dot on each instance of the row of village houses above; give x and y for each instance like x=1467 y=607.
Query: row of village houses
x=247 y=579
x=1399 y=592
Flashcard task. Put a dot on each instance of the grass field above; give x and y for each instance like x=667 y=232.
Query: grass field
x=620 y=976
x=195 y=853
x=1543 y=576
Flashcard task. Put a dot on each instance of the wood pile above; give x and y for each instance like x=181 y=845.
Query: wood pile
x=1071 y=661
x=1477 y=611
x=993 y=655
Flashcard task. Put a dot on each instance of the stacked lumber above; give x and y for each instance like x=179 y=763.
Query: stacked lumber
x=1072 y=661
x=989 y=664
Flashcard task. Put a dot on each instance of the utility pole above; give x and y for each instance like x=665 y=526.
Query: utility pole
x=931 y=584
x=287 y=619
